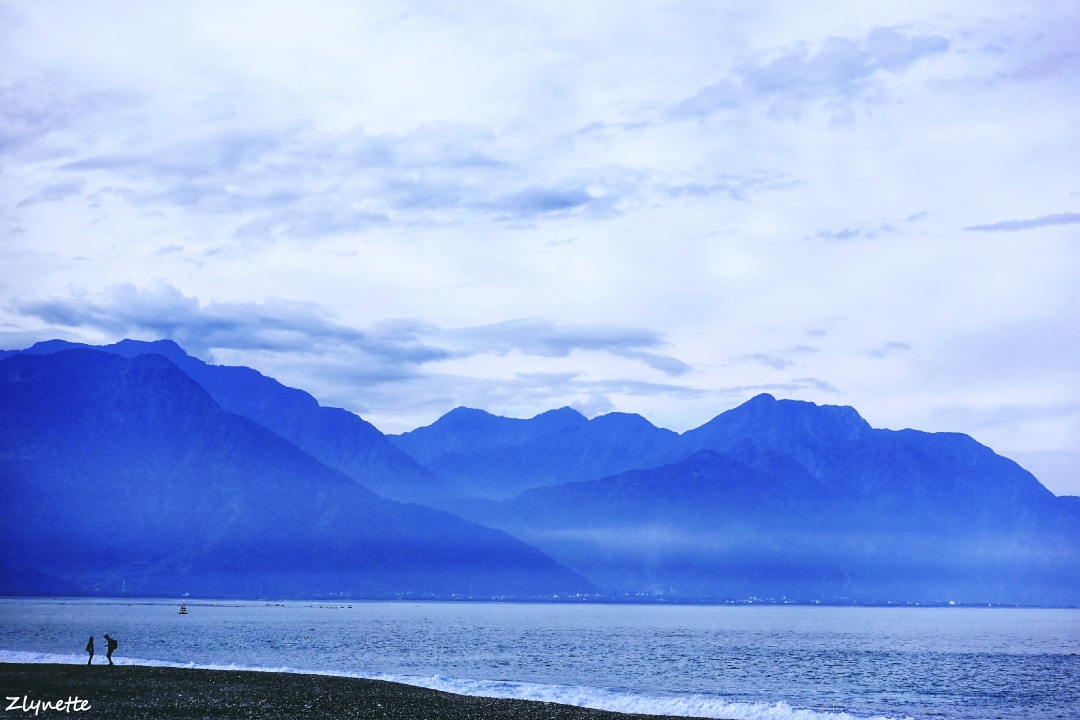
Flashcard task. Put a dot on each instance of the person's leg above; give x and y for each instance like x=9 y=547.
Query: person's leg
x=91 y=658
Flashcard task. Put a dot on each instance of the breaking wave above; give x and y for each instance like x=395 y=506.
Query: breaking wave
x=695 y=705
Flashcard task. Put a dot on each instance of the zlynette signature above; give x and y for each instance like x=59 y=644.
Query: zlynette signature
x=36 y=706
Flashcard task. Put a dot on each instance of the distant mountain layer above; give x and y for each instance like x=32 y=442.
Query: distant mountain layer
x=789 y=499
x=772 y=499
x=497 y=457
x=124 y=477
x=334 y=436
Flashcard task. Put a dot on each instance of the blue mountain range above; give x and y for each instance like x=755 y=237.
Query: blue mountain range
x=775 y=499
x=336 y=437
x=123 y=476
x=496 y=457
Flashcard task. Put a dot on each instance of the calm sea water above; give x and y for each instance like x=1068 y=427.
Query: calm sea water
x=737 y=662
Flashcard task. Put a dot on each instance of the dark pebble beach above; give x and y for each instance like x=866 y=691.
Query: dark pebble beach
x=152 y=692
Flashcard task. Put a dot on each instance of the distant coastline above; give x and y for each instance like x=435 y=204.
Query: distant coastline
x=323 y=602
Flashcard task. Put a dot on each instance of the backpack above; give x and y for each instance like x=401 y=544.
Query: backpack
x=112 y=643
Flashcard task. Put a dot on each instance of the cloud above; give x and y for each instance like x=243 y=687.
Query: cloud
x=868 y=230
x=275 y=326
x=32 y=109
x=618 y=386
x=888 y=349
x=794 y=385
x=1016 y=225
x=302 y=183
x=842 y=70
x=593 y=405
x=521 y=394
x=809 y=382
x=545 y=339
x=421 y=163
x=779 y=360
x=392 y=364
x=851 y=233
x=52 y=193
x=537 y=200
x=776 y=363
x=188 y=160
x=388 y=350
x=310 y=218
x=736 y=187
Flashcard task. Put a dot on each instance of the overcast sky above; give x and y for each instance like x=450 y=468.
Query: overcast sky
x=661 y=208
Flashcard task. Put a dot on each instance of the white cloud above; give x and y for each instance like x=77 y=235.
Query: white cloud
x=840 y=71
x=391 y=351
x=736 y=183
x=1068 y=218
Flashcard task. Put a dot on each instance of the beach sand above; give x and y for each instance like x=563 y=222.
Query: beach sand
x=153 y=692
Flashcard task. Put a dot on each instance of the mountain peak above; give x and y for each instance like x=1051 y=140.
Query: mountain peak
x=832 y=419
x=168 y=348
x=197 y=499
x=466 y=417
x=564 y=416
x=787 y=427
x=624 y=420
x=336 y=437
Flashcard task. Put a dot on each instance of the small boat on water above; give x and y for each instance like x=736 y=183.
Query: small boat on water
x=183 y=610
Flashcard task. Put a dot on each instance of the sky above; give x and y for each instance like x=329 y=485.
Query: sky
x=654 y=207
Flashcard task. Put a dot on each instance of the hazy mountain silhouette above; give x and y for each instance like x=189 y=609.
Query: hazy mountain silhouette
x=774 y=498
x=123 y=476
x=336 y=437
x=881 y=474
x=497 y=457
x=790 y=499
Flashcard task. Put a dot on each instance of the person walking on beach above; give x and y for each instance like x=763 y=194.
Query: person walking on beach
x=90 y=649
x=110 y=647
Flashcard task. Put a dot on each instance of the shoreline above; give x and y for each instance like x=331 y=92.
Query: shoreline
x=644 y=601
x=140 y=691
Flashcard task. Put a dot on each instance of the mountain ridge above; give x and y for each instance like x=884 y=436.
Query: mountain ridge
x=336 y=437
x=495 y=457
x=761 y=427
x=712 y=526
x=130 y=479
x=785 y=498
x=777 y=498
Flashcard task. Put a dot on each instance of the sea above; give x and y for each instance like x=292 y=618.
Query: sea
x=746 y=662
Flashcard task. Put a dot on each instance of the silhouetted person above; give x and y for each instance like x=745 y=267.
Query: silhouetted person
x=90 y=649
x=110 y=647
